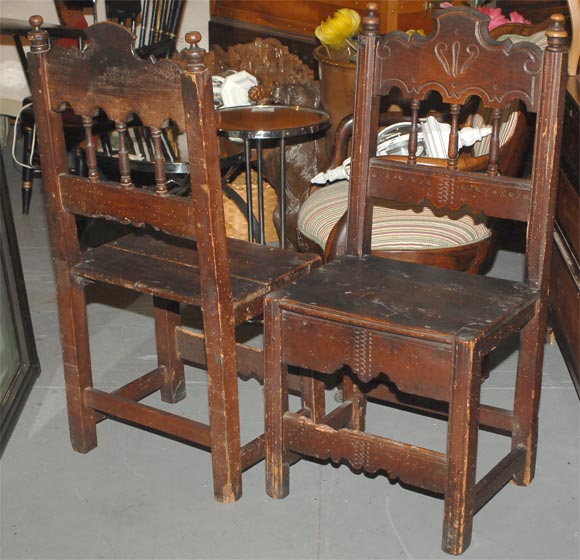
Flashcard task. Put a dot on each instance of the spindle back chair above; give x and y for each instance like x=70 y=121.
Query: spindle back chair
x=182 y=257
x=425 y=331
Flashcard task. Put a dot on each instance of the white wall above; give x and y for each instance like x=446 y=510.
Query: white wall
x=12 y=81
x=195 y=18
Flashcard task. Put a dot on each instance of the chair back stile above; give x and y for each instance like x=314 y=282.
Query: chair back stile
x=217 y=298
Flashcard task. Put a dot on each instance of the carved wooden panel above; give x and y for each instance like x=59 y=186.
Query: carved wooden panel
x=369 y=353
x=457 y=64
x=126 y=85
x=501 y=197
x=371 y=453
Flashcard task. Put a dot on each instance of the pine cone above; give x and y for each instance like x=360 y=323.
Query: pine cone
x=259 y=95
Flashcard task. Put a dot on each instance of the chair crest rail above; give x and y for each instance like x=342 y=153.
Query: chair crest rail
x=460 y=64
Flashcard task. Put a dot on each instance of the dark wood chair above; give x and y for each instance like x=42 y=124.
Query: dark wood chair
x=418 y=336
x=183 y=257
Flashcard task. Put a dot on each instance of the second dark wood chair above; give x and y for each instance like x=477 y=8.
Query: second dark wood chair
x=413 y=335
x=182 y=257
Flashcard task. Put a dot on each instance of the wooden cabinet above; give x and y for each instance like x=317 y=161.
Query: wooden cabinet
x=303 y=17
x=565 y=280
x=534 y=10
x=294 y=23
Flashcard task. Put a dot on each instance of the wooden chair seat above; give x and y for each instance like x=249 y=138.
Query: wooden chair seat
x=392 y=302
x=451 y=303
x=168 y=267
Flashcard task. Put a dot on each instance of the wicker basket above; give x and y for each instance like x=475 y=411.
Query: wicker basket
x=236 y=223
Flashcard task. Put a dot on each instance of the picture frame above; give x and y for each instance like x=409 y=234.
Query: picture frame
x=19 y=363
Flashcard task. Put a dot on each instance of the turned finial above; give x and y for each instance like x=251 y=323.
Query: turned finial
x=556 y=33
x=194 y=54
x=38 y=38
x=371 y=22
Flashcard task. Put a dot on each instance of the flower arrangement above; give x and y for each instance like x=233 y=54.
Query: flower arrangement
x=496 y=15
x=338 y=31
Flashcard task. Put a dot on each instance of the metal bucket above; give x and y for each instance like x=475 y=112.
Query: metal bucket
x=337 y=77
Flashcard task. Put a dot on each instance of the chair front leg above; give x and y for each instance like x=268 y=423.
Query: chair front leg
x=276 y=403
x=77 y=360
x=167 y=318
x=527 y=394
x=462 y=449
x=224 y=414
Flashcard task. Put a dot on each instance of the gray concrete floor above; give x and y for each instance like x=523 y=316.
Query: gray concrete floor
x=139 y=495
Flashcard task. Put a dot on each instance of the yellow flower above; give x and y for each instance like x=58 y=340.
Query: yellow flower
x=418 y=31
x=335 y=31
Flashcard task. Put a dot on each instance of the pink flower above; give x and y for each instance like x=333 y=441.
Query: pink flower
x=497 y=18
x=516 y=17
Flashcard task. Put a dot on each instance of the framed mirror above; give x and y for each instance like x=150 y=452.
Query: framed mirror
x=19 y=365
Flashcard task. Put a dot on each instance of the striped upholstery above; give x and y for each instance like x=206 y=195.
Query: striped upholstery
x=398 y=226
x=509 y=120
x=395 y=227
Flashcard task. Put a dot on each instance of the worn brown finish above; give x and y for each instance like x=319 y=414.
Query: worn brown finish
x=188 y=259
x=418 y=335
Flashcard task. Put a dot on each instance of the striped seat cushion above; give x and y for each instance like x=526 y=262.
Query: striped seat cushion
x=507 y=127
x=395 y=227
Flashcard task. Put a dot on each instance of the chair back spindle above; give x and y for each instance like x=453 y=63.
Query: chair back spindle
x=90 y=149
x=414 y=132
x=160 y=175
x=453 y=148
x=493 y=167
x=124 y=161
